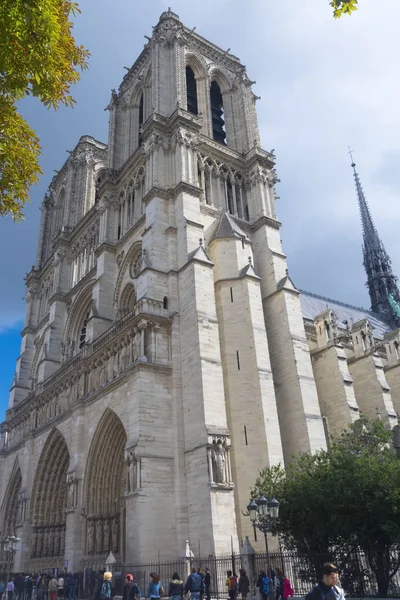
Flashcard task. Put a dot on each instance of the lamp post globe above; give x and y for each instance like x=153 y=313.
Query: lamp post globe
x=252 y=509
x=262 y=504
x=273 y=507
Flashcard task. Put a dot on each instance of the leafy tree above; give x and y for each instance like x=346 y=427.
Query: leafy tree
x=343 y=7
x=336 y=501
x=38 y=57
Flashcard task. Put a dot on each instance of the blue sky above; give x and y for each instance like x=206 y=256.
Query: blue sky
x=323 y=84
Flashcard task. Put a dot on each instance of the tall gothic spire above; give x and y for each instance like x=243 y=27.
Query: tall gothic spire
x=381 y=282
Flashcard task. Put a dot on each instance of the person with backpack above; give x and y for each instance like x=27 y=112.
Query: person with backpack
x=155 y=589
x=194 y=585
x=106 y=590
x=263 y=585
x=233 y=586
x=176 y=588
x=327 y=588
x=131 y=589
x=283 y=587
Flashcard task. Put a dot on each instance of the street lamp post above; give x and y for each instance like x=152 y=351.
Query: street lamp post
x=263 y=513
x=10 y=548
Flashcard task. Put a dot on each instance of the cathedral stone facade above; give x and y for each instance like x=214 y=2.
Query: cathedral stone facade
x=166 y=355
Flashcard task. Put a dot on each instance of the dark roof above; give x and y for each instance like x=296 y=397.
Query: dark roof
x=312 y=305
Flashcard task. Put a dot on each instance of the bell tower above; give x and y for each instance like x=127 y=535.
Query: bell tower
x=162 y=322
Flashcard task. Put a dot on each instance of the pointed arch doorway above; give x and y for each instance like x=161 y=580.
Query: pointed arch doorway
x=104 y=492
x=49 y=503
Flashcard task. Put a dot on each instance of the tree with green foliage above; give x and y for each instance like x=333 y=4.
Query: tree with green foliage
x=38 y=57
x=343 y=499
x=343 y=7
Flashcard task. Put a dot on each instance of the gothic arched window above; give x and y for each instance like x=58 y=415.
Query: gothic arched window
x=82 y=336
x=141 y=113
x=217 y=113
x=191 y=92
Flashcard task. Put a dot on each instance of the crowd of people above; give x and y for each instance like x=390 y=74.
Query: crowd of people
x=39 y=587
x=271 y=585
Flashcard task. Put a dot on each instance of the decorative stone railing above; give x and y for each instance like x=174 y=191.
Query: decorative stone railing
x=141 y=336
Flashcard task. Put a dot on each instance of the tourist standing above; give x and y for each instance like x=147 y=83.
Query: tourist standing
x=155 y=589
x=2 y=588
x=327 y=588
x=207 y=583
x=53 y=588
x=10 y=590
x=60 y=588
x=131 y=589
x=106 y=590
x=194 y=584
x=244 y=584
x=263 y=585
x=176 y=588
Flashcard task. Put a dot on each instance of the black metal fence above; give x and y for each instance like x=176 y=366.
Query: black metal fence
x=361 y=574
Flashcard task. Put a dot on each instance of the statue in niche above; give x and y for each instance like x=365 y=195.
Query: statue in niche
x=95 y=377
x=102 y=376
x=132 y=473
x=39 y=546
x=56 y=542
x=122 y=359
x=115 y=365
x=114 y=535
x=71 y=482
x=106 y=535
x=62 y=540
x=46 y=543
x=34 y=544
x=21 y=507
x=219 y=459
x=81 y=385
x=110 y=364
x=51 y=542
x=90 y=537
x=99 y=535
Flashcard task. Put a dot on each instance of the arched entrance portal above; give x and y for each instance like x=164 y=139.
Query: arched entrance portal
x=10 y=510
x=49 y=502
x=104 y=488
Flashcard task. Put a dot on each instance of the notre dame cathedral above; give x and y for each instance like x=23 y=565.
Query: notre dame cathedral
x=167 y=356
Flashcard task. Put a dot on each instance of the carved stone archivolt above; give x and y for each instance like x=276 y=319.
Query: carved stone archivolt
x=12 y=508
x=105 y=485
x=49 y=499
x=219 y=463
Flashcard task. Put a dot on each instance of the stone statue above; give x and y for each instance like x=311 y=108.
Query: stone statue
x=46 y=543
x=90 y=537
x=71 y=491
x=39 y=547
x=115 y=365
x=106 y=535
x=81 y=385
x=219 y=459
x=34 y=544
x=114 y=535
x=51 y=542
x=132 y=472
x=99 y=535
x=122 y=359
x=102 y=380
x=62 y=540
x=56 y=542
